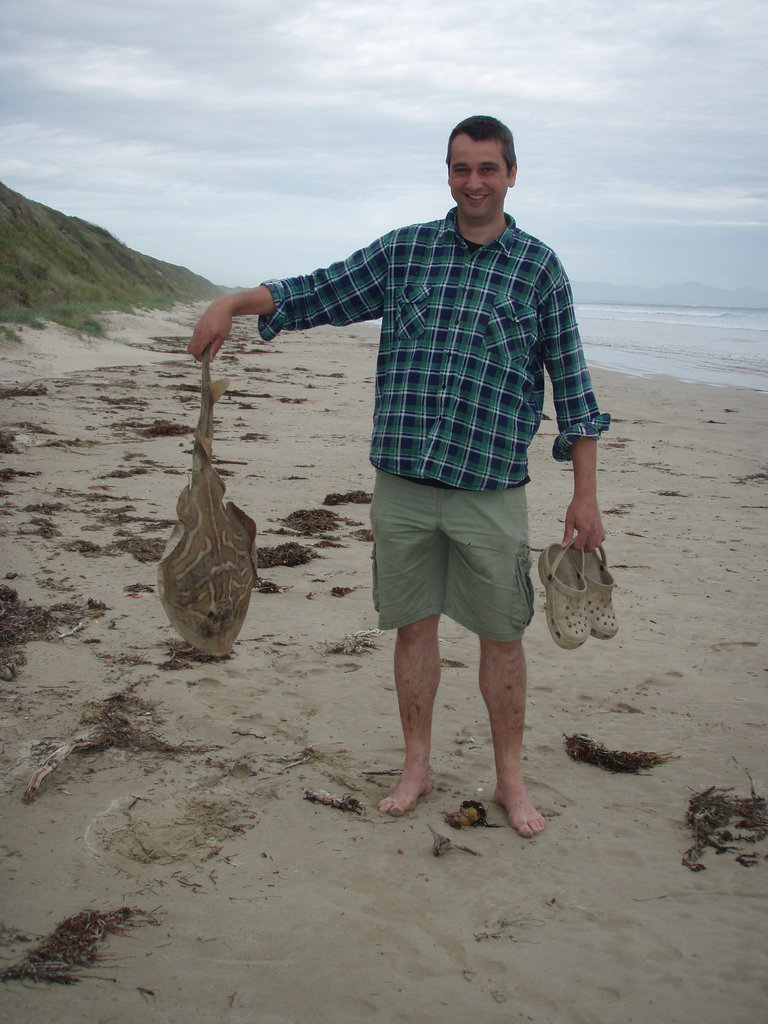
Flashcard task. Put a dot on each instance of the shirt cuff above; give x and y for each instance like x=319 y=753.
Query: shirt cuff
x=594 y=427
x=270 y=326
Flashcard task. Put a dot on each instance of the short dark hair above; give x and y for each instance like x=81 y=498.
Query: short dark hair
x=480 y=127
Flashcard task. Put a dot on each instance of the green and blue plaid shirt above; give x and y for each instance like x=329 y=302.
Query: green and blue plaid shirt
x=465 y=339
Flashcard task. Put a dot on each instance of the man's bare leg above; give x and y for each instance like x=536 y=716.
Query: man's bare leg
x=503 y=684
x=417 y=676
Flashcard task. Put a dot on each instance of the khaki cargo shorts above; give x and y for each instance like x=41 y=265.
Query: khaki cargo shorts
x=464 y=554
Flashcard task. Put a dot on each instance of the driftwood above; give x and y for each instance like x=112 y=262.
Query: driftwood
x=54 y=759
x=582 y=748
x=341 y=803
x=74 y=943
x=289 y=761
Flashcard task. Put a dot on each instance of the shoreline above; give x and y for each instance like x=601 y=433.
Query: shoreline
x=133 y=339
x=600 y=365
x=269 y=895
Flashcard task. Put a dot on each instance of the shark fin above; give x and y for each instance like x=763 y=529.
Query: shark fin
x=218 y=387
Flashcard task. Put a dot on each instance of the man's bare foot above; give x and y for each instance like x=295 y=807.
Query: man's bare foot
x=406 y=793
x=523 y=816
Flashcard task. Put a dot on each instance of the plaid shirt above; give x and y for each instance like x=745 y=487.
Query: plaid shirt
x=465 y=339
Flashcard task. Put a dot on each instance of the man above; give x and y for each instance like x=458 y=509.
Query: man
x=473 y=310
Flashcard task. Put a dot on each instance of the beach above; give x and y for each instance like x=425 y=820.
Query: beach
x=255 y=903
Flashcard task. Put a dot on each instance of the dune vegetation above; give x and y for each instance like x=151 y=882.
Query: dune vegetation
x=58 y=268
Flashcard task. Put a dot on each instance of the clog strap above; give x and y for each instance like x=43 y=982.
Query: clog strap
x=562 y=555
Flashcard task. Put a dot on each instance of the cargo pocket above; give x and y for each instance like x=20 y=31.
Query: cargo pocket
x=374 y=578
x=523 y=612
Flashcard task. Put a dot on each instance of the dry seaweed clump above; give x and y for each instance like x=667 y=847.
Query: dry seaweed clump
x=7 y=443
x=182 y=655
x=20 y=622
x=74 y=943
x=355 y=643
x=143 y=549
x=27 y=391
x=264 y=586
x=582 y=748
x=164 y=428
x=712 y=816
x=83 y=547
x=112 y=727
x=284 y=554
x=350 y=497
x=311 y=521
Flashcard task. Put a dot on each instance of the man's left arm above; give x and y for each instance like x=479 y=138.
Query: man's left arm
x=582 y=518
x=579 y=419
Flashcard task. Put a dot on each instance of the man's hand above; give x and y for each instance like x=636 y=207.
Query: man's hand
x=214 y=325
x=583 y=520
x=212 y=329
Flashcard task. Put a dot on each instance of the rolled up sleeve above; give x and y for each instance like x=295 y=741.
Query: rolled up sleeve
x=270 y=326
x=576 y=407
x=593 y=427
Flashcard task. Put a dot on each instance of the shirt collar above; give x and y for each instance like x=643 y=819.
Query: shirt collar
x=505 y=241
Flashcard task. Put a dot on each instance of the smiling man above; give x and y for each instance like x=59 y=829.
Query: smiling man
x=480 y=171
x=474 y=312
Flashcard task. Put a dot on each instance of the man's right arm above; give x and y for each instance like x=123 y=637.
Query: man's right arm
x=214 y=325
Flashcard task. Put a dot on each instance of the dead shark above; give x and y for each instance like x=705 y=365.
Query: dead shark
x=208 y=568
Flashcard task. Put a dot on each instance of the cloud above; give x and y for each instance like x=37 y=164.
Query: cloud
x=249 y=121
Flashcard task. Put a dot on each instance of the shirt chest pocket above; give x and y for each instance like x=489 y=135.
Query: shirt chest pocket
x=509 y=331
x=411 y=315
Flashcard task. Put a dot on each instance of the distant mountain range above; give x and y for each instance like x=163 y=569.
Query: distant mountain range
x=689 y=294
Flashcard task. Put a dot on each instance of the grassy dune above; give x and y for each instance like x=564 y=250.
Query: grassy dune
x=60 y=268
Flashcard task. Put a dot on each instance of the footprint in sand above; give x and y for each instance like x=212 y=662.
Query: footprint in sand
x=188 y=830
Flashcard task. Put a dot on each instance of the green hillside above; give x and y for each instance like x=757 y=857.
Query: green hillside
x=60 y=268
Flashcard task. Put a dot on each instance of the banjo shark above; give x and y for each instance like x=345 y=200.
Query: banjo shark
x=208 y=568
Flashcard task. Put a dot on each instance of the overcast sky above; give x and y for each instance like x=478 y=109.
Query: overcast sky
x=247 y=139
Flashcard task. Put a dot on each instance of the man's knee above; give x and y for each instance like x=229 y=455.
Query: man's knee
x=419 y=631
x=509 y=652
x=501 y=646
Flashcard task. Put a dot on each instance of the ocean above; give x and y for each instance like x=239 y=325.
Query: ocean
x=710 y=345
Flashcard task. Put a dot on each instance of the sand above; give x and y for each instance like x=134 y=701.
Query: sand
x=275 y=909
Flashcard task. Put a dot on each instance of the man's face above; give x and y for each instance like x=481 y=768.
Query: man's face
x=479 y=179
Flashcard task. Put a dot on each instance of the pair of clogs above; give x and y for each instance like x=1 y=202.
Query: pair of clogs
x=578 y=590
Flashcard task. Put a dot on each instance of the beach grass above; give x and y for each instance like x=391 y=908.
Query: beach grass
x=61 y=269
